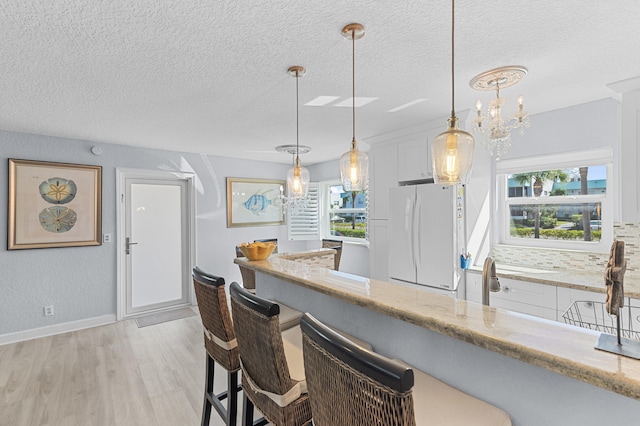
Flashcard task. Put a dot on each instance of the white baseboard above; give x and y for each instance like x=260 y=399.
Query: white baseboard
x=50 y=330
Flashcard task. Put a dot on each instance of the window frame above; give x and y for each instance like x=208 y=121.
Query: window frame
x=325 y=213
x=598 y=157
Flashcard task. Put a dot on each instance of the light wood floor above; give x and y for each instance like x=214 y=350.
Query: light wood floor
x=116 y=374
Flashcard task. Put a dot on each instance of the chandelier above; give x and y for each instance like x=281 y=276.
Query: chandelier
x=496 y=128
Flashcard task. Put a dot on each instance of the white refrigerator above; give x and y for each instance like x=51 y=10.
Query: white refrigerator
x=423 y=235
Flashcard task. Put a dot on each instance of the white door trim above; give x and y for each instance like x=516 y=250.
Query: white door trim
x=121 y=175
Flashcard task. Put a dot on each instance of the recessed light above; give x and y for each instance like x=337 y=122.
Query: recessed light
x=360 y=101
x=407 y=105
x=322 y=100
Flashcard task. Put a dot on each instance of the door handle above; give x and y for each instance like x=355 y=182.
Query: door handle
x=128 y=244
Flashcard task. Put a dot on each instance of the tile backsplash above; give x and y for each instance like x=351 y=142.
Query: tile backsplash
x=584 y=262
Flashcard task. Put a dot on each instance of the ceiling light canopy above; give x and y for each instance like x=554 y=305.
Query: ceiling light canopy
x=452 y=150
x=354 y=164
x=297 y=176
x=498 y=130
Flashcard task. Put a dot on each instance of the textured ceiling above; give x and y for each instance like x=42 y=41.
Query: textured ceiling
x=210 y=76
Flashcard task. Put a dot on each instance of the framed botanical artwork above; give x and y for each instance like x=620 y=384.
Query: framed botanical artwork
x=54 y=205
x=254 y=202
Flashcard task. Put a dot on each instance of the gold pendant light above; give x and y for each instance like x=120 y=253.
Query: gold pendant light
x=452 y=150
x=297 y=176
x=354 y=164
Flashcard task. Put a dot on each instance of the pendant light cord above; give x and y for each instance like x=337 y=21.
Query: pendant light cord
x=453 y=109
x=297 y=118
x=353 y=79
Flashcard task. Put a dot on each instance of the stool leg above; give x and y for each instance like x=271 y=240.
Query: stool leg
x=232 y=398
x=208 y=390
x=247 y=411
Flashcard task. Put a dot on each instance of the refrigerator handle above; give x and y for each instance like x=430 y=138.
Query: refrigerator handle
x=416 y=231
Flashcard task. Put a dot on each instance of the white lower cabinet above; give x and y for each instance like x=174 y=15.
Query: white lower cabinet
x=378 y=250
x=588 y=309
x=526 y=297
x=553 y=302
x=474 y=287
x=519 y=296
x=567 y=296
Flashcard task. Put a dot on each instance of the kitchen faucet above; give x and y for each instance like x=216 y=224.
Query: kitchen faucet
x=489 y=279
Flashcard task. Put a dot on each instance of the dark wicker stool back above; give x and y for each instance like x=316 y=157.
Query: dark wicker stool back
x=220 y=343
x=264 y=365
x=349 y=385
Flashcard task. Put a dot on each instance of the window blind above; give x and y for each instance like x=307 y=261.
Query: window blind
x=305 y=223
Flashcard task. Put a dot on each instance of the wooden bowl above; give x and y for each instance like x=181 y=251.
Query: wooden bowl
x=257 y=251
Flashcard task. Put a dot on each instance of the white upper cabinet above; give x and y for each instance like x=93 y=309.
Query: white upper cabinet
x=383 y=175
x=414 y=160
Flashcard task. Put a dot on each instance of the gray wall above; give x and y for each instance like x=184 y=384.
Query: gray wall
x=579 y=127
x=81 y=281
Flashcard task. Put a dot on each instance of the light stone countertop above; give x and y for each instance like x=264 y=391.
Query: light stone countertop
x=307 y=254
x=561 y=348
x=562 y=278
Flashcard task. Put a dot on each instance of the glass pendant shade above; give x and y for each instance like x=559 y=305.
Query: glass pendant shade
x=354 y=164
x=452 y=150
x=354 y=169
x=297 y=177
x=452 y=153
x=298 y=181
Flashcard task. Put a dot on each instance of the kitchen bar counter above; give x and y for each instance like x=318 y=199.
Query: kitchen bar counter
x=565 y=351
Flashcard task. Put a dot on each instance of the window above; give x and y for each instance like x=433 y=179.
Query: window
x=344 y=214
x=560 y=201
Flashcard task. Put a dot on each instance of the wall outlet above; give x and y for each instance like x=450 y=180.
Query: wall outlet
x=106 y=238
x=48 y=311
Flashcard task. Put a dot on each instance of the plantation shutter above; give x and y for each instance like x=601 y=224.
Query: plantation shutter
x=305 y=225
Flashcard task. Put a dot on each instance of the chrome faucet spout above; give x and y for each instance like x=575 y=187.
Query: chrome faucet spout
x=489 y=279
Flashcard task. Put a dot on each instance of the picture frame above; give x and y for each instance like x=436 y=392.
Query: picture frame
x=254 y=202
x=53 y=205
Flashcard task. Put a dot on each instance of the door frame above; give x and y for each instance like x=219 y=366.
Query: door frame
x=121 y=175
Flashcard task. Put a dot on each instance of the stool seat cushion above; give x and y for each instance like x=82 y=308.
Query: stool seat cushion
x=289 y=317
x=437 y=403
x=292 y=342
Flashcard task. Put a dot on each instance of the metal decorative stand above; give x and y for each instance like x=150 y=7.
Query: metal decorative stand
x=614 y=277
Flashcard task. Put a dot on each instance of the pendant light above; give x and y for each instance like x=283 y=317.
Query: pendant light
x=452 y=150
x=354 y=164
x=297 y=176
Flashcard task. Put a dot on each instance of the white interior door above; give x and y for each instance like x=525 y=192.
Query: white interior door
x=155 y=244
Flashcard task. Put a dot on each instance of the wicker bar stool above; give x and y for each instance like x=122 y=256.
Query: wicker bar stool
x=220 y=343
x=349 y=385
x=271 y=360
